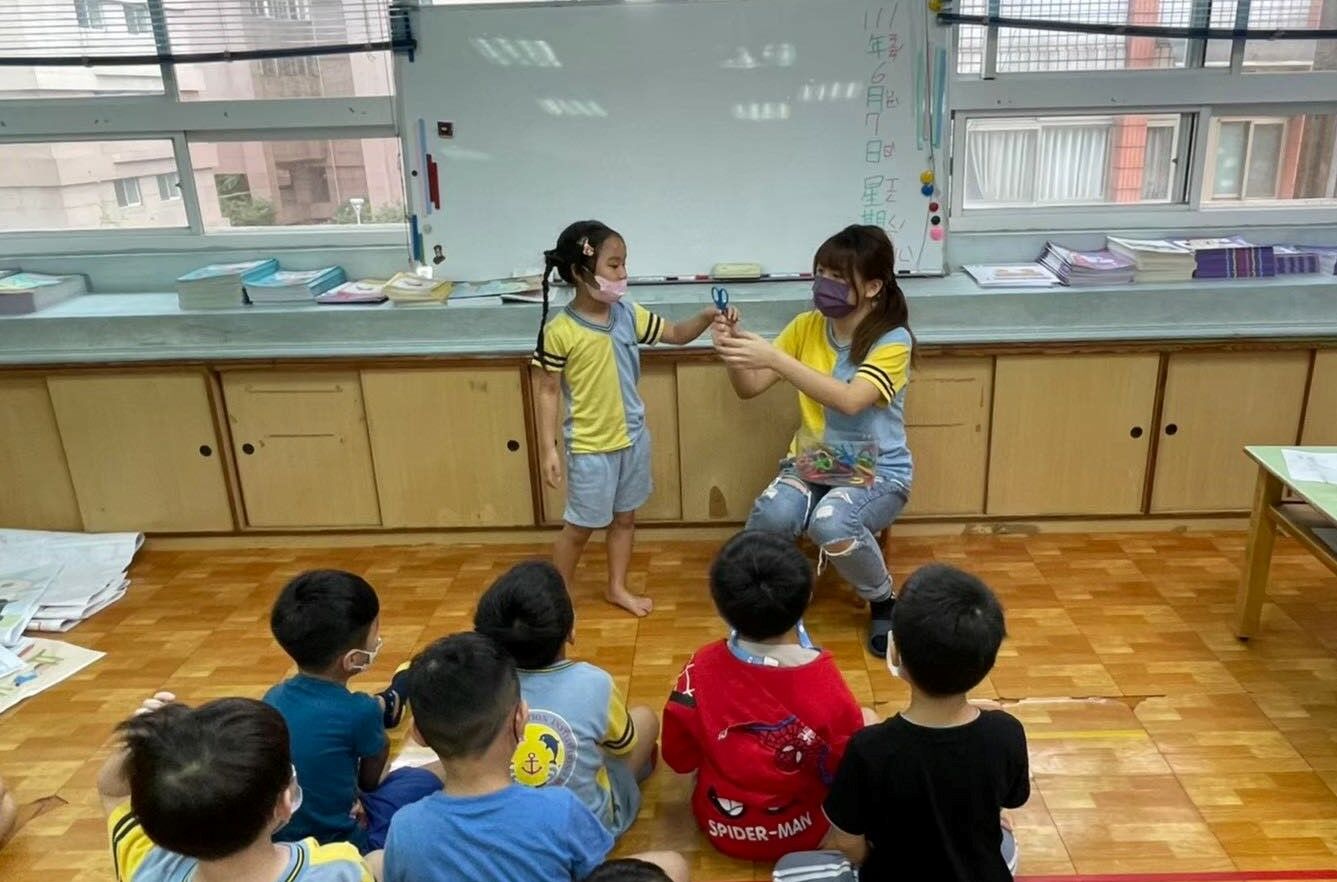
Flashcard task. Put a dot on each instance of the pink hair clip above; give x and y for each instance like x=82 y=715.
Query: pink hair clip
x=586 y=248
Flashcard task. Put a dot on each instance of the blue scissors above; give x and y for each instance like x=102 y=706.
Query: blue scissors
x=721 y=298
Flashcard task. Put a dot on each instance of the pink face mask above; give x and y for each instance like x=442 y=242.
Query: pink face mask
x=609 y=291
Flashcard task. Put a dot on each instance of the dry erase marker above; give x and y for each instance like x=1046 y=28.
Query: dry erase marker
x=786 y=277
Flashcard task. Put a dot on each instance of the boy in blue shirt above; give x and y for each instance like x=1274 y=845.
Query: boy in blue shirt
x=580 y=733
x=484 y=827
x=194 y=794
x=328 y=622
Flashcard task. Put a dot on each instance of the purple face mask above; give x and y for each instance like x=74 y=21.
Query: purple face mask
x=831 y=297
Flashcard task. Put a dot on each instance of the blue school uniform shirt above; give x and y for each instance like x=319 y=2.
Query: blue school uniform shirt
x=331 y=729
x=518 y=834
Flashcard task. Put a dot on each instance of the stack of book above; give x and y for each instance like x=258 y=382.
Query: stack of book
x=363 y=291
x=1155 y=260
x=1293 y=260
x=221 y=285
x=22 y=293
x=408 y=289
x=294 y=286
x=1081 y=269
x=1230 y=258
x=1325 y=257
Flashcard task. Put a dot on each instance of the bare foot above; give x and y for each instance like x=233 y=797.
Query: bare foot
x=637 y=606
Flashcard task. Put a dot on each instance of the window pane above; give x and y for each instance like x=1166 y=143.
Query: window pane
x=1025 y=51
x=327 y=76
x=298 y=183
x=97 y=28
x=85 y=185
x=1290 y=158
x=1288 y=56
x=1041 y=161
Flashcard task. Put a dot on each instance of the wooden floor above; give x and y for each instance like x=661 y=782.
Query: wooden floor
x=1159 y=743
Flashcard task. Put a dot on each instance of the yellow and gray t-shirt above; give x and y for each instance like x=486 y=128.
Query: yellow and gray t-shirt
x=600 y=367
x=137 y=859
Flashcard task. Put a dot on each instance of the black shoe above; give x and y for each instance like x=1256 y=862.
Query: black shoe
x=879 y=625
x=396 y=697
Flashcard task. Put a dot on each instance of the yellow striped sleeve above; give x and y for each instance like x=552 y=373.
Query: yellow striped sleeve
x=556 y=346
x=649 y=327
x=341 y=855
x=130 y=845
x=621 y=735
x=887 y=368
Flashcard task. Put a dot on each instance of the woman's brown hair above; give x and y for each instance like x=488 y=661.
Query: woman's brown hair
x=864 y=254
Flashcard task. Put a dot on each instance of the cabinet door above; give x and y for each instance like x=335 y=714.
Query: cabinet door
x=1071 y=433
x=142 y=451
x=731 y=449
x=449 y=446
x=659 y=391
x=37 y=492
x=299 y=439
x=947 y=424
x=1215 y=404
x=1321 y=412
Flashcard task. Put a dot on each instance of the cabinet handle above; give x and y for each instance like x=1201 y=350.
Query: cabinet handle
x=206 y=450
x=512 y=445
x=248 y=448
x=1135 y=432
x=1171 y=428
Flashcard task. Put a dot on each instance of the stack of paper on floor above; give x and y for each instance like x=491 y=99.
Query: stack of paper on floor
x=21 y=591
x=1079 y=269
x=1018 y=275
x=221 y=285
x=22 y=293
x=1156 y=260
x=1293 y=260
x=1230 y=257
x=37 y=665
x=81 y=573
x=412 y=289
x=364 y=291
x=294 y=286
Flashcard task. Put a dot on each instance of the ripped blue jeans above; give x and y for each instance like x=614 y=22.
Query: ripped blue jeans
x=834 y=516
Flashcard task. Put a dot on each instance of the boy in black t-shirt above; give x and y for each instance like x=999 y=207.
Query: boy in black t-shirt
x=920 y=795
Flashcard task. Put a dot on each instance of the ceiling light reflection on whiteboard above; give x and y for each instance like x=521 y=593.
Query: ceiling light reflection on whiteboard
x=772 y=55
x=505 y=52
x=761 y=111
x=828 y=92
x=572 y=107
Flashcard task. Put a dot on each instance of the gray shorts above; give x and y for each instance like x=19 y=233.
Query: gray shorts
x=598 y=485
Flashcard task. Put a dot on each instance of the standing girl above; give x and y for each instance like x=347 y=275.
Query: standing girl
x=847 y=475
x=588 y=355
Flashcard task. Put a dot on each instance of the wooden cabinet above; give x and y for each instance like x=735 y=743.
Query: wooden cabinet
x=299 y=440
x=659 y=391
x=947 y=424
x=1071 y=434
x=1321 y=412
x=37 y=494
x=142 y=450
x=450 y=446
x=1215 y=404
x=730 y=448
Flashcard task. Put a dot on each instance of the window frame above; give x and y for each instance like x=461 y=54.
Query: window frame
x=138 y=18
x=172 y=188
x=90 y=15
x=121 y=186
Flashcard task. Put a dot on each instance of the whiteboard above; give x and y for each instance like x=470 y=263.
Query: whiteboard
x=704 y=131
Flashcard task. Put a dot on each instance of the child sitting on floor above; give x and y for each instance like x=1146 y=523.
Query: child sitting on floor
x=196 y=794
x=328 y=622
x=920 y=795
x=763 y=717
x=580 y=732
x=484 y=827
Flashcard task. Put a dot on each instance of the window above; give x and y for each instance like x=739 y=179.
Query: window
x=298 y=183
x=137 y=19
x=127 y=192
x=1072 y=160
x=1290 y=56
x=358 y=74
x=89 y=14
x=1270 y=158
x=259 y=8
x=169 y=186
x=291 y=10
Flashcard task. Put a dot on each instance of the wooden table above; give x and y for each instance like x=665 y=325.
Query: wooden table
x=1317 y=508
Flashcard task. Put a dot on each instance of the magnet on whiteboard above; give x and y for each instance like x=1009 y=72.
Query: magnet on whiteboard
x=927 y=189
x=936 y=234
x=926 y=176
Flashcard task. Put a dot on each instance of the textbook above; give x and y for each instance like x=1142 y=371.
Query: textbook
x=294 y=286
x=1019 y=275
x=409 y=288
x=362 y=291
x=1230 y=257
x=221 y=285
x=23 y=293
x=1156 y=260
x=1079 y=269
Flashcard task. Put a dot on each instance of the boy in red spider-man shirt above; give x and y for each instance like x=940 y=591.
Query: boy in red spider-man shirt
x=763 y=717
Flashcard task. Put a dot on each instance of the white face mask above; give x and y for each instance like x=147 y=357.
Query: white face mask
x=369 y=653
x=296 y=792
x=891 y=653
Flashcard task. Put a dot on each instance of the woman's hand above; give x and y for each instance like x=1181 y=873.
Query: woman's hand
x=552 y=468
x=745 y=350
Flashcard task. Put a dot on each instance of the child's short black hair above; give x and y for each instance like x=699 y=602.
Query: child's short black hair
x=204 y=782
x=322 y=614
x=528 y=612
x=947 y=625
x=628 y=870
x=761 y=584
x=463 y=689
